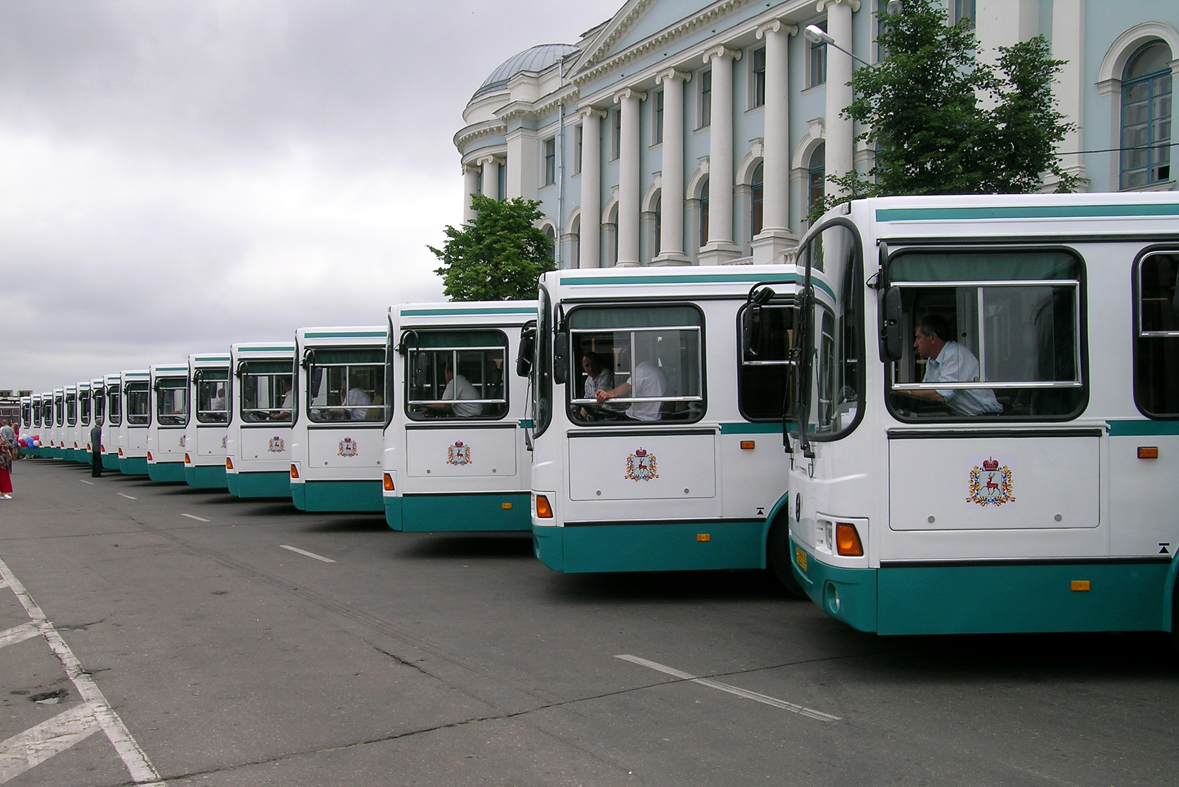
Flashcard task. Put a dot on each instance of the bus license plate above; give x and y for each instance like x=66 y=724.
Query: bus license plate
x=800 y=558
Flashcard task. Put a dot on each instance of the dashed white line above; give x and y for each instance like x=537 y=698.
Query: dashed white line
x=194 y=516
x=308 y=554
x=52 y=736
x=84 y=481
x=120 y=494
x=138 y=765
x=749 y=695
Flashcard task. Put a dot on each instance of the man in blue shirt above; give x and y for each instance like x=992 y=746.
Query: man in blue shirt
x=947 y=361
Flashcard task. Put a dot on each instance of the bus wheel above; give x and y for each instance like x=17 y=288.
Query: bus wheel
x=778 y=557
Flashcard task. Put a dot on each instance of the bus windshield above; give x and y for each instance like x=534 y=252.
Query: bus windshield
x=212 y=394
x=138 y=407
x=267 y=394
x=172 y=401
x=346 y=384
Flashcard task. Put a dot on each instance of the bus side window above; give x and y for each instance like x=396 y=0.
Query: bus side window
x=1156 y=362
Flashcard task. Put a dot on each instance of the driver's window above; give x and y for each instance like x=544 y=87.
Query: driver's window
x=456 y=374
x=346 y=385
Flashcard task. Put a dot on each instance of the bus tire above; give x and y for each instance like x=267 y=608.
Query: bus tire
x=778 y=557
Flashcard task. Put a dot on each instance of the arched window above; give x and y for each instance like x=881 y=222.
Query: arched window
x=551 y=234
x=1146 y=117
x=816 y=175
x=704 y=213
x=756 y=197
x=658 y=227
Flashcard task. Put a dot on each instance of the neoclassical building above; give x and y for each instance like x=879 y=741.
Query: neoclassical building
x=682 y=132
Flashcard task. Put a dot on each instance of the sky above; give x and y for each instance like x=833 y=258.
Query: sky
x=180 y=175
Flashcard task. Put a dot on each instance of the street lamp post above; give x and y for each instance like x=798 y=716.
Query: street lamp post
x=817 y=35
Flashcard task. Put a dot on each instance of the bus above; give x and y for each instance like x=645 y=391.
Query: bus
x=336 y=439
x=984 y=416
x=455 y=459
x=136 y=409
x=69 y=433
x=257 y=444
x=112 y=387
x=656 y=436
x=55 y=427
x=97 y=414
x=208 y=424
x=169 y=417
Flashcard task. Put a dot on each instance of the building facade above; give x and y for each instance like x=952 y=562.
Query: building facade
x=682 y=132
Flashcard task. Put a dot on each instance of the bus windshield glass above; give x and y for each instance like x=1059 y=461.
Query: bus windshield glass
x=212 y=395
x=987 y=334
x=346 y=384
x=456 y=374
x=172 y=401
x=267 y=394
x=635 y=363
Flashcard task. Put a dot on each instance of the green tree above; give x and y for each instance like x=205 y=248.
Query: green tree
x=941 y=122
x=499 y=256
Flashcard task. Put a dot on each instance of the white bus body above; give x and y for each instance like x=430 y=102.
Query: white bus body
x=112 y=420
x=682 y=469
x=97 y=414
x=337 y=437
x=1032 y=493
x=257 y=445
x=169 y=417
x=56 y=428
x=455 y=459
x=136 y=390
x=71 y=450
x=206 y=435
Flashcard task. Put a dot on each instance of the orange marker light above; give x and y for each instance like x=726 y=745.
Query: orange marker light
x=149 y=456
x=294 y=471
x=388 y=481
x=703 y=537
x=1079 y=585
x=506 y=506
x=543 y=509
x=847 y=540
x=228 y=462
x=746 y=445
x=1148 y=452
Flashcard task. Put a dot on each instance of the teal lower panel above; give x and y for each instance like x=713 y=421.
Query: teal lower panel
x=166 y=472
x=274 y=484
x=337 y=496
x=678 y=546
x=991 y=599
x=135 y=465
x=461 y=513
x=205 y=476
x=110 y=461
x=232 y=483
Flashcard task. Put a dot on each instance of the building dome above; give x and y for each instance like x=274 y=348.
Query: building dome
x=536 y=59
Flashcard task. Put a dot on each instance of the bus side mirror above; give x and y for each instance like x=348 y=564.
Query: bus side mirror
x=524 y=352
x=892 y=343
x=561 y=358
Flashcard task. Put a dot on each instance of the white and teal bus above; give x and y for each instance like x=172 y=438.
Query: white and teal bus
x=986 y=421
x=136 y=389
x=70 y=432
x=455 y=458
x=337 y=440
x=207 y=431
x=29 y=417
x=657 y=440
x=257 y=444
x=169 y=417
x=97 y=413
x=82 y=429
x=112 y=389
x=56 y=426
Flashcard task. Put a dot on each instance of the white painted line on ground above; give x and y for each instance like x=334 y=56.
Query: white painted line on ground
x=52 y=736
x=138 y=765
x=18 y=634
x=120 y=494
x=749 y=695
x=197 y=518
x=308 y=554
x=90 y=483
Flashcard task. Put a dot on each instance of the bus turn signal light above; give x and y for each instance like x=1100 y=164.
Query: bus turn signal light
x=1148 y=452
x=543 y=509
x=847 y=540
x=294 y=472
x=747 y=445
x=228 y=463
x=388 y=481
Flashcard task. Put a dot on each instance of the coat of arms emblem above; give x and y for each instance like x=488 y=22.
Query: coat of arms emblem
x=348 y=447
x=183 y=440
x=277 y=445
x=640 y=466
x=224 y=442
x=990 y=484
x=458 y=454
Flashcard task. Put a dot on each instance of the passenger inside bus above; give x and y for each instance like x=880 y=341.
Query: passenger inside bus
x=949 y=361
x=354 y=406
x=598 y=377
x=457 y=389
x=645 y=381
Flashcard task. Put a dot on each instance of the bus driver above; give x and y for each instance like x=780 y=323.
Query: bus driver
x=947 y=361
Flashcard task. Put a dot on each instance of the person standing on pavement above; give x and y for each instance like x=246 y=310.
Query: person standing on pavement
x=7 y=452
x=96 y=449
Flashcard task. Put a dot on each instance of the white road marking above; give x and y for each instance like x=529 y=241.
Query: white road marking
x=749 y=695
x=120 y=494
x=138 y=765
x=91 y=483
x=18 y=634
x=52 y=736
x=197 y=518
x=308 y=554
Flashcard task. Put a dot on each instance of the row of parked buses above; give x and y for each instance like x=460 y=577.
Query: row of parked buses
x=947 y=415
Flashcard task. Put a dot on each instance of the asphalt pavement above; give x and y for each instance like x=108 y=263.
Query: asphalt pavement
x=154 y=633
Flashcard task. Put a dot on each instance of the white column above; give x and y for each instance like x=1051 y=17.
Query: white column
x=775 y=237
x=671 y=251
x=720 y=247
x=490 y=176
x=1068 y=25
x=523 y=157
x=591 y=187
x=470 y=186
x=629 y=101
x=840 y=139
